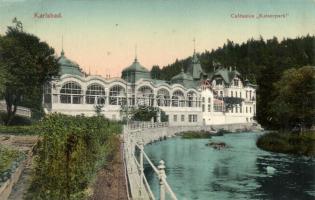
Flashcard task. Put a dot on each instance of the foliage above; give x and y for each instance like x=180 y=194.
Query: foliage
x=291 y=143
x=294 y=98
x=261 y=61
x=195 y=135
x=156 y=72
x=29 y=63
x=17 y=130
x=7 y=156
x=143 y=113
x=69 y=154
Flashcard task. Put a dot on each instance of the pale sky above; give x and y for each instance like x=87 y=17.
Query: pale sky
x=102 y=34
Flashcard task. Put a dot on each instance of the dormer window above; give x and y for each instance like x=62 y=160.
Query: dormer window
x=218 y=81
x=236 y=82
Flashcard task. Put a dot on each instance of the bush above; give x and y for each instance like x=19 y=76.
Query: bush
x=195 y=135
x=7 y=156
x=69 y=154
x=290 y=143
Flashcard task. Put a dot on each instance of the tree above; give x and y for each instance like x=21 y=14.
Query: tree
x=29 y=63
x=156 y=72
x=294 y=103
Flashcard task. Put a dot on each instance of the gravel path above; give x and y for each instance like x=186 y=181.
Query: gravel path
x=110 y=183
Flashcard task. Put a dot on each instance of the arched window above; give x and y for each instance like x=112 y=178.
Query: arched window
x=95 y=93
x=117 y=95
x=145 y=96
x=163 y=97
x=71 y=93
x=192 y=99
x=178 y=99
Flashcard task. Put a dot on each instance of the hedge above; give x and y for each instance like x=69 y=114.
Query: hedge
x=71 y=151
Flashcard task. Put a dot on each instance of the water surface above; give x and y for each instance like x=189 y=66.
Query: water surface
x=196 y=171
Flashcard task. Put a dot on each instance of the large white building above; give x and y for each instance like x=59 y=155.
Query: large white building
x=191 y=98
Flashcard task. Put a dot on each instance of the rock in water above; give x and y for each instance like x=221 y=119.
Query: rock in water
x=270 y=170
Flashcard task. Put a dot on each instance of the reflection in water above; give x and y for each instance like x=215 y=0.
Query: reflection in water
x=196 y=171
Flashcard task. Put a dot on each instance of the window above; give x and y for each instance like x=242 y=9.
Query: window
x=218 y=106
x=236 y=109
x=246 y=94
x=235 y=93
x=240 y=94
x=250 y=94
x=195 y=118
x=203 y=108
x=192 y=99
x=209 y=107
x=221 y=93
x=47 y=93
x=95 y=93
x=236 y=82
x=178 y=99
x=241 y=109
x=209 y=100
x=246 y=109
x=175 y=118
x=182 y=118
x=231 y=93
x=192 y=118
x=250 y=109
x=218 y=82
x=163 y=97
x=117 y=95
x=71 y=93
x=145 y=96
x=203 y=99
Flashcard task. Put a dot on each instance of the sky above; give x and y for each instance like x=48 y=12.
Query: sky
x=101 y=35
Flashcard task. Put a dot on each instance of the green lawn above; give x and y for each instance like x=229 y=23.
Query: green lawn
x=291 y=143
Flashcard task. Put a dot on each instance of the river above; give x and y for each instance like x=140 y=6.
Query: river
x=197 y=171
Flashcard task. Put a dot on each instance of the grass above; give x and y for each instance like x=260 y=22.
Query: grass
x=17 y=130
x=195 y=134
x=289 y=143
x=7 y=156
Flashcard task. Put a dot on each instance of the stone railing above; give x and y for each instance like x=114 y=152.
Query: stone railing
x=136 y=135
x=142 y=125
x=138 y=184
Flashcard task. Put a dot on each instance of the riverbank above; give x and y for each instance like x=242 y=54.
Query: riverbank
x=289 y=143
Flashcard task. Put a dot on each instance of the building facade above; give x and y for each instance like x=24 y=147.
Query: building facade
x=191 y=98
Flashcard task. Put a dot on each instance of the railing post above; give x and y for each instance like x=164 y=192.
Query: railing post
x=141 y=167
x=162 y=177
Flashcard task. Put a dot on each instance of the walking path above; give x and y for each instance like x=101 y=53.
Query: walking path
x=111 y=181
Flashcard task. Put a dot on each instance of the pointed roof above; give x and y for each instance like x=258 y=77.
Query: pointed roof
x=195 y=69
x=182 y=76
x=226 y=74
x=68 y=66
x=136 y=67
